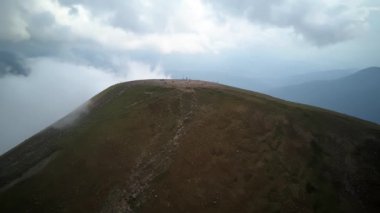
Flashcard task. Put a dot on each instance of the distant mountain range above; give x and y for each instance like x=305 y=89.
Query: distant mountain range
x=357 y=94
x=263 y=83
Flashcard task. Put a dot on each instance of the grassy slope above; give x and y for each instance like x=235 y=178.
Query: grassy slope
x=155 y=148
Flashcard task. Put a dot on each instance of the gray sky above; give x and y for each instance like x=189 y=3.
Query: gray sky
x=56 y=54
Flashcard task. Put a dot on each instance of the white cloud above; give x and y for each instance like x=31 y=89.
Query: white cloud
x=188 y=26
x=136 y=70
x=185 y=26
x=191 y=27
x=53 y=89
x=82 y=23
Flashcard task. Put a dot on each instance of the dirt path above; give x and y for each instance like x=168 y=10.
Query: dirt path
x=150 y=165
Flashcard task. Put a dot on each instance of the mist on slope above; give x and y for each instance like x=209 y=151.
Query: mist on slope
x=53 y=89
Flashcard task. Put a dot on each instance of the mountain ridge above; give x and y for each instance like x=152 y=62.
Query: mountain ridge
x=356 y=95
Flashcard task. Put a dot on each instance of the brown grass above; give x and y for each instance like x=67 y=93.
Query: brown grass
x=193 y=146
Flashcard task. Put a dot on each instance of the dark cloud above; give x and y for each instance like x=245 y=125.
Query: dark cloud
x=319 y=22
x=45 y=37
x=10 y=63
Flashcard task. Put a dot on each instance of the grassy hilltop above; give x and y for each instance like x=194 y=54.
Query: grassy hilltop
x=194 y=146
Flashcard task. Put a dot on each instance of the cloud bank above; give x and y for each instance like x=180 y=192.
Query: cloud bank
x=52 y=90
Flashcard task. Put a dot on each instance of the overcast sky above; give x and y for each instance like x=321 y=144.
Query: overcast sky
x=56 y=54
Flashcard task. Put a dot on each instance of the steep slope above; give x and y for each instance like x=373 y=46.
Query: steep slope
x=357 y=95
x=193 y=146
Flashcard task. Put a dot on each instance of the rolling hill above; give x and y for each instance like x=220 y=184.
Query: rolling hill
x=194 y=146
x=357 y=94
